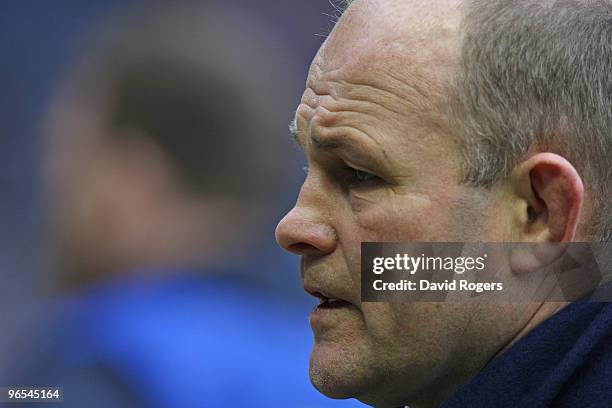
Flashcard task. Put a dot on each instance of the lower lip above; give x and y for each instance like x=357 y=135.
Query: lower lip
x=325 y=316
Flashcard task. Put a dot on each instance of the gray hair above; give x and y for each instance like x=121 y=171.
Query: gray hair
x=538 y=75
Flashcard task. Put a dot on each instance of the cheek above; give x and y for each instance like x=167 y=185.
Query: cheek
x=393 y=216
x=412 y=342
x=446 y=213
x=385 y=218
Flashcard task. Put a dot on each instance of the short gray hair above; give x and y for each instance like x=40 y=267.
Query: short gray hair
x=537 y=75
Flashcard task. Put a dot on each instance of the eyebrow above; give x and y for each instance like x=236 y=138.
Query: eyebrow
x=296 y=134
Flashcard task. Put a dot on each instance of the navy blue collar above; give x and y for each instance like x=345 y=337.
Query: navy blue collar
x=564 y=362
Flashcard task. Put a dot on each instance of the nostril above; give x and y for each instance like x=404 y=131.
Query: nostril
x=301 y=248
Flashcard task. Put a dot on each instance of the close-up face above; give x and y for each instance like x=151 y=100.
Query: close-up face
x=382 y=169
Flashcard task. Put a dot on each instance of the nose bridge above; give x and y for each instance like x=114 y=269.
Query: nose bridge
x=312 y=196
x=307 y=227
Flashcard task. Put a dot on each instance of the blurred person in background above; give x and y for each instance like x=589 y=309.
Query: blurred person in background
x=163 y=155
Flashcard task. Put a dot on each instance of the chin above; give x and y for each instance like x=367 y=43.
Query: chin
x=342 y=371
x=336 y=371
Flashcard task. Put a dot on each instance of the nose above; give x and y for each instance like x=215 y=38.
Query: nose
x=303 y=232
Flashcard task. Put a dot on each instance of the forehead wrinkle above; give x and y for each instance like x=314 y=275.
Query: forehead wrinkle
x=399 y=53
x=399 y=79
x=379 y=96
x=368 y=117
x=326 y=114
x=327 y=99
x=341 y=136
x=328 y=111
x=332 y=135
x=333 y=125
x=406 y=93
x=405 y=80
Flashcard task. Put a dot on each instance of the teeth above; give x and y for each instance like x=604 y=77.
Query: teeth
x=327 y=300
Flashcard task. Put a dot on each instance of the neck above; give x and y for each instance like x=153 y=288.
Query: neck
x=480 y=355
x=543 y=312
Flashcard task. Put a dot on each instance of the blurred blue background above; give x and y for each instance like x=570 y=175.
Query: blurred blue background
x=194 y=333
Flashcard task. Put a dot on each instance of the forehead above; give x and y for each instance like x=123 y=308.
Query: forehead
x=409 y=43
x=379 y=80
x=368 y=25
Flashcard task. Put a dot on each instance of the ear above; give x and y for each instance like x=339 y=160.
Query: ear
x=552 y=194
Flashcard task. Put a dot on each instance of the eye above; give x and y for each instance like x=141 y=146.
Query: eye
x=354 y=178
x=362 y=176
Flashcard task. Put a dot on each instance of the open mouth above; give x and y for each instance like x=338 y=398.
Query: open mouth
x=330 y=303
x=329 y=312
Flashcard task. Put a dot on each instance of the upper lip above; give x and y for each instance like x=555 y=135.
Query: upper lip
x=321 y=281
x=324 y=292
x=320 y=294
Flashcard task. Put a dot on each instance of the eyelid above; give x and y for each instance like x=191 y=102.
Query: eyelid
x=351 y=180
x=351 y=165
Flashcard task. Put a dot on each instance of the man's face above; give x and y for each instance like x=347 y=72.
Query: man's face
x=380 y=168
